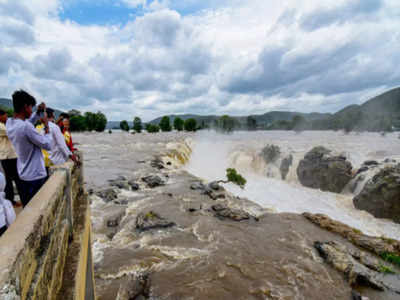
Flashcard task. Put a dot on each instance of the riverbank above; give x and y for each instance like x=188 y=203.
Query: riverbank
x=165 y=237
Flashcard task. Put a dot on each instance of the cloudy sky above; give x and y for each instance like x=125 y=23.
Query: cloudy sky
x=153 y=57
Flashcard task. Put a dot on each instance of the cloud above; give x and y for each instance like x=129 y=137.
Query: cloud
x=204 y=57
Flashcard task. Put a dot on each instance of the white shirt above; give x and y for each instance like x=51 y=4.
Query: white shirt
x=6 y=148
x=59 y=152
x=27 y=143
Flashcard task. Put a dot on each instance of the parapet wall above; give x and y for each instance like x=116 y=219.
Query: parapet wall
x=46 y=253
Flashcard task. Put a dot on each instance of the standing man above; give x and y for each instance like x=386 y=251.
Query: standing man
x=8 y=159
x=27 y=143
x=59 y=152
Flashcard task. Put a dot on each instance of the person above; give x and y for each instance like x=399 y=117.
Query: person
x=60 y=119
x=8 y=159
x=59 y=152
x=67 y=135
x=28 y=143
x=7 y=213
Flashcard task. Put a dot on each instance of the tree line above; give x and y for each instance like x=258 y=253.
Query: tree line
x=88 y=121
x=164 y=125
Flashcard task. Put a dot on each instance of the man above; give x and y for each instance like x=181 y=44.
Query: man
x=8 y=159
x=27 y=143
x=59 y=152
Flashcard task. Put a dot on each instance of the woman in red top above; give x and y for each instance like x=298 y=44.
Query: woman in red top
x=67 y=135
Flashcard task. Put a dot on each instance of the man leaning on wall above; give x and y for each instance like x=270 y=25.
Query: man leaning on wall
x=28 y=143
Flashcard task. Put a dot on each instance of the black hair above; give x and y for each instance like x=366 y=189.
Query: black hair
x=64 y=115
x=50 y=112
x=22 y=98
x=2 y=112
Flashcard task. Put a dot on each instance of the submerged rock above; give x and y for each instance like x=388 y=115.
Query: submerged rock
x=108 y=194
x=321 y=170
x=135 y=287
x=224 y=212
x=381 y=194
x=285 y=166
x=134 y=186
x=153 y=181
x=157 y=163
x=151 y=220
x=370 y=163
x=270 y=153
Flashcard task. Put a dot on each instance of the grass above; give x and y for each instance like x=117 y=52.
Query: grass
x=391 y=257
x=388 y=240
x=386 y=270
x=357 y=231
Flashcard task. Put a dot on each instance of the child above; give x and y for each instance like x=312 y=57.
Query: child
x=7 y=213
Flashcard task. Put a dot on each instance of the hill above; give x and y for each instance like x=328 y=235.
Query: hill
x=7 y=103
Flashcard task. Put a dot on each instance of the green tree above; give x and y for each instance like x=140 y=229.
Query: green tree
x=178 y=124
x=77 y=123
x=251 y=123
x=101 y=121
x=90 y=119
x=165 y=124
x=153 y=128
x=124 y=125
x=190 y=124
x=233 y=176
x=226 y=124
x=298 y=123
x=137 y=125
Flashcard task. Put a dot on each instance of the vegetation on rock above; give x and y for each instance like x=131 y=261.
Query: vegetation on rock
x=124 y=125
x=137 y=125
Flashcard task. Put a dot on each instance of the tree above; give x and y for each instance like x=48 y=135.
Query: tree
x=298 y=123
x=137 y=125
x=226 y=124
x=233 y=176
x=178 y=124
x=153 y=128
x=101 y=122
x=124 y=125
x=77 y=123
x=251 y=123
x=90 y=119
x=165 y=124
x=190 y=124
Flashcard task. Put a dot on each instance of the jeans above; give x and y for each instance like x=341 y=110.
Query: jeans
x=29 y=189
x=11 y=174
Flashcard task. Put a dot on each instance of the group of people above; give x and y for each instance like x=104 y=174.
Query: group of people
x=27 y=152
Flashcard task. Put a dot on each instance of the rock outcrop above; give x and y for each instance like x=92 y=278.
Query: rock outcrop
x=381 y=194
x=222 y=212
x=321 y=170
x=285 y=165
x=153 y=181
x=151 y=220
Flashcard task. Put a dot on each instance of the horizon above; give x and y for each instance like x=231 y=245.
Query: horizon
x=151 y=58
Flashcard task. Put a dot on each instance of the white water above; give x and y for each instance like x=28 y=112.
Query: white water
x=213 y=153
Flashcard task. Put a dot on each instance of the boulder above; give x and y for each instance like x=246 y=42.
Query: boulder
x=270 y=153
x=221 y=211
x=108 y=194
x=151 y=220
x=381 y=194
x=285 y=165
x=134 y=186
x=153 y=181
x=321 y=170
x=370 y=163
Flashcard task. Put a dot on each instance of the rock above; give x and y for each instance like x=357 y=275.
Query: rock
x=357 y=296
x=135 y=287
x=321 y=170
x=108 y=194
x=356 y=273
x=221 y=211
x=362 y=169
x=151 y=220
x=381 y=194
x=285 y=165
x=370 y=163
x=214 y=185
x=270 y=153
x=134 y=186
x=389 y=160
x=120 y=184
x=197 y=186
x=153 y=181
x=157 y=163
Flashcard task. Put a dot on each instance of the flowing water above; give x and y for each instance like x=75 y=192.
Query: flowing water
x=213 y=153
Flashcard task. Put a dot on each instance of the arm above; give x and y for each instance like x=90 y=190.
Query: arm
x=34 y=117
x=60 y=141
x=42 y=141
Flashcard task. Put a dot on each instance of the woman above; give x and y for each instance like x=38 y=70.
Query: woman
x=67 y=135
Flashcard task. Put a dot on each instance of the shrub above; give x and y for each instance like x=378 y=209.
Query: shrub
x=165 y=124
x=235 y=177
x=190 y=124
x=153 y=128
x=137 y=125
x=178 y=124
x=124 y=125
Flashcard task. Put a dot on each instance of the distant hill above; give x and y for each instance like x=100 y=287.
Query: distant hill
x=379 y=113
x=8 y=104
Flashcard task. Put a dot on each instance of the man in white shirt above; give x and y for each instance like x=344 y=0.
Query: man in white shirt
x=8 y=159
x=59 y=152
x=28 y=143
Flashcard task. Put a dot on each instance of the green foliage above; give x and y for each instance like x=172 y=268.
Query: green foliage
x=386 y=269
x=109 y=131
x=226 y=124
x=236 y=178
x=137 y=125
x=152 y=128
x=124 y=125
x=178 y=124
x=9 y=111
x=165 y=124
x=95 y=121
x=251 y=123
x=77 y=123
x=391 y=257
x=190 y=124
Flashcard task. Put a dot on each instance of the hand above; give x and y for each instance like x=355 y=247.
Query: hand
x=75 y=159
x=41 y=107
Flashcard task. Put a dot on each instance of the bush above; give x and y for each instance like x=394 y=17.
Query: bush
x=153 y=128
x=178 y=124
x=235 y=177
x=77 y=123
x=165 y=124
x=190 y=124
x=124 y=125
x=137 y=125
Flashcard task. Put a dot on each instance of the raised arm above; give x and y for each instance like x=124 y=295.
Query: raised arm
x=42 y=141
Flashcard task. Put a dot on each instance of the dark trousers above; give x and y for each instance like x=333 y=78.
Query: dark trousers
x=29 y=189
x=11 y=174
x=2 y=230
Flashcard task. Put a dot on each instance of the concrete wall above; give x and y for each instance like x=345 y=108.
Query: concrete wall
x=46 y=253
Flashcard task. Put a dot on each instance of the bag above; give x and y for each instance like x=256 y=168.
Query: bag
x=9 y=212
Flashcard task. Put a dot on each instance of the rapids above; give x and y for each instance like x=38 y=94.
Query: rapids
x=213 y=153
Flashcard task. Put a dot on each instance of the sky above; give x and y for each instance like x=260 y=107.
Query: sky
x=150 y=58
